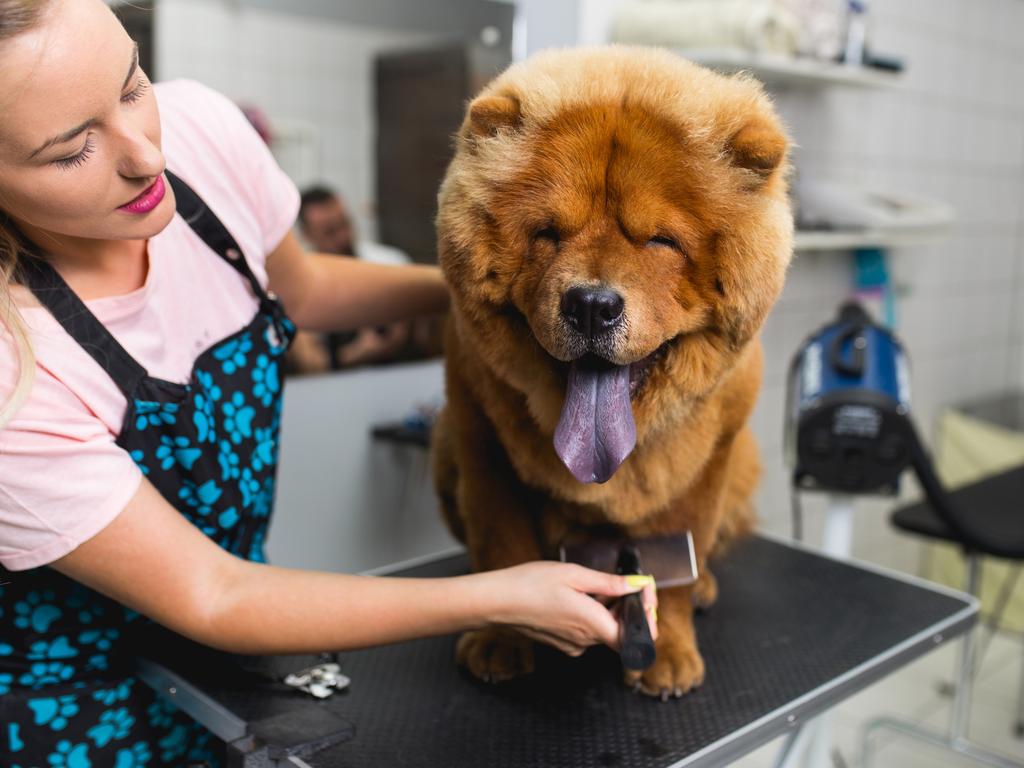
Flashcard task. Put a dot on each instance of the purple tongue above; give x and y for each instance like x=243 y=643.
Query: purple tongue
x=596 y=431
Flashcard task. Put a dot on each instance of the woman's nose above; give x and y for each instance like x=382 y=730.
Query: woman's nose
x=140 y=155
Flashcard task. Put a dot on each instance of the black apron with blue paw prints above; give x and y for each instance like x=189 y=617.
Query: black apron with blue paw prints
x=68 y=698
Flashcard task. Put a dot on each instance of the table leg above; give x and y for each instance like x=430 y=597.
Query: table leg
x=1019 y=726
x=793 y=748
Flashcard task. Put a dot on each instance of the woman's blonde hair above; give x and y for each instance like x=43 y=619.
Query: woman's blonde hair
x=16 y=16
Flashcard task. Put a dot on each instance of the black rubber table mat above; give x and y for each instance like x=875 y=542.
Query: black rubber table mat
x=792 y=633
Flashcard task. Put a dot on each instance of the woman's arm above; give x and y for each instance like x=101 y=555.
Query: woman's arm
x=153 y=560
x=323 y=292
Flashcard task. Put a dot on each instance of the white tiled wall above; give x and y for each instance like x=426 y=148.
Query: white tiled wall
x=953 y=130
x=295 y=68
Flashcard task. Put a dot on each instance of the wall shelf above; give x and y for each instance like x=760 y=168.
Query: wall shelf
x=777 y=69
x=844 y=240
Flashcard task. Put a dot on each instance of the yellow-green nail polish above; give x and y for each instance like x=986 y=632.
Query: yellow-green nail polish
x=639 y=580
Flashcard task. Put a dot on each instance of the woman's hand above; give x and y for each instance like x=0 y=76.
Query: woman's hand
x=555 y=603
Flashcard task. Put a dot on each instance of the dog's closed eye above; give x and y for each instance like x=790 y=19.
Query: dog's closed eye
x=548 y=233
x=666 y=242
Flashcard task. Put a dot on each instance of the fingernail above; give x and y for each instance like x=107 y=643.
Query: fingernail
x=639 y=580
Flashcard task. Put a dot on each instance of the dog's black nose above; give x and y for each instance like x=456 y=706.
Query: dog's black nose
x=592 y=310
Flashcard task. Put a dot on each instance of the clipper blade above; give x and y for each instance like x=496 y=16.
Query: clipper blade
x=670 y=558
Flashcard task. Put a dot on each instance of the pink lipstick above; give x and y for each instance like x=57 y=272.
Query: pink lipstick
x=148 y=200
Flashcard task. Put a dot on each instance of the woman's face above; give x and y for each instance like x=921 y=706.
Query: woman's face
x=80 y=136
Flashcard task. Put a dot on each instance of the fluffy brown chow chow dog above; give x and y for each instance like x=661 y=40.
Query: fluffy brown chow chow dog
x=614 y=228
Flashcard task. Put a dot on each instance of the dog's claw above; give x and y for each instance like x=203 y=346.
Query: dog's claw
x=664 y=694
x=678 y=692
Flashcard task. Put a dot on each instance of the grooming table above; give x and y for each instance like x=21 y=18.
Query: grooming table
x=793 y=633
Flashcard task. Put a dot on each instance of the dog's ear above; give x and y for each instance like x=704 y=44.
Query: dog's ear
x=759 y=146
x=489 y=114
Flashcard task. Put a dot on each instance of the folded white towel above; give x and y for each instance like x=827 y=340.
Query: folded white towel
x=755 y=25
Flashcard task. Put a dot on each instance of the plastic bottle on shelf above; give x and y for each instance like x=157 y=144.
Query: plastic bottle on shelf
x=856 y=31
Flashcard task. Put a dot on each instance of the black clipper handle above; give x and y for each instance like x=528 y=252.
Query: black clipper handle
x=636 y=646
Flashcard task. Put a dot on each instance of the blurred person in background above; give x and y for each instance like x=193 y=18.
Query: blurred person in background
x=326 y=224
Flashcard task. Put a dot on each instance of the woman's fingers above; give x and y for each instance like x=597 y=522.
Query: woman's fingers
x=650 y=598
x=599 y=583
x=565 y=646
x=607 y=585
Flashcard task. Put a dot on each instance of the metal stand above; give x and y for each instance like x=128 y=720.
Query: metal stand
x=1019 y=727
x=956 y=740
x=811 y=743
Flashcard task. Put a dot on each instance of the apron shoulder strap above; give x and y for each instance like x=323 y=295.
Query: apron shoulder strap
x=204 y=222
x=82 y=325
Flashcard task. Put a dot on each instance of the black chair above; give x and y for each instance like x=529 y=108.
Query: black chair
x=985 y=518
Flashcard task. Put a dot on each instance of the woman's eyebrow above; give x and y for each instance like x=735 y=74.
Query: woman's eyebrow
x=69 y=135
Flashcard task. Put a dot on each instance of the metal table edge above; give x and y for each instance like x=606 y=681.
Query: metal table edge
x=798 y=712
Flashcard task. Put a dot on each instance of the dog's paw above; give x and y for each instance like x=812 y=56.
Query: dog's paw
x=675 y=672
x=495 y=655
x=705 y=590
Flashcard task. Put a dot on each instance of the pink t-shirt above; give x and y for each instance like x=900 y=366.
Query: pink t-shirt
x=62 y=477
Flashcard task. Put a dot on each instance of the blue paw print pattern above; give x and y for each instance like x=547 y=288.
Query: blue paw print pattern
x=152 y=414
x=201 y=752
x=102 y=639
x=36 y=611
x=58 y=648
x=227 y=519
x=208 y=386
x=111 y=696
x=43 y=673
x=265 y=453
x=238 y=418
x=6 y=678
x=140 y=460
x=174 y=744
x=200 y=498
x=113 y=724
x=232 y=353
x=263 y=501
x=136 y=756
x=68 y=755
x=228 y=459
x=266 y=383
x=177 y=450
x=204 y=417
x=14 y=741
x=161 y=714
x=256 y=553
x=249 y=486
x=54 y=712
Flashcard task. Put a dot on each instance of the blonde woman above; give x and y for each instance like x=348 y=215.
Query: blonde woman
x=144 y=242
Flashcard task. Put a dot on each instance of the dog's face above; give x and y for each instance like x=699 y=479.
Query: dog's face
x=614 y=227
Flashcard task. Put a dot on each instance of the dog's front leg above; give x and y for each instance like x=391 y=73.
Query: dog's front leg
x=499 y=533
x=496 y=512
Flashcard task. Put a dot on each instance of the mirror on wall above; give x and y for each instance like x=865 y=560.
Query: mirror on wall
x=358 y=101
